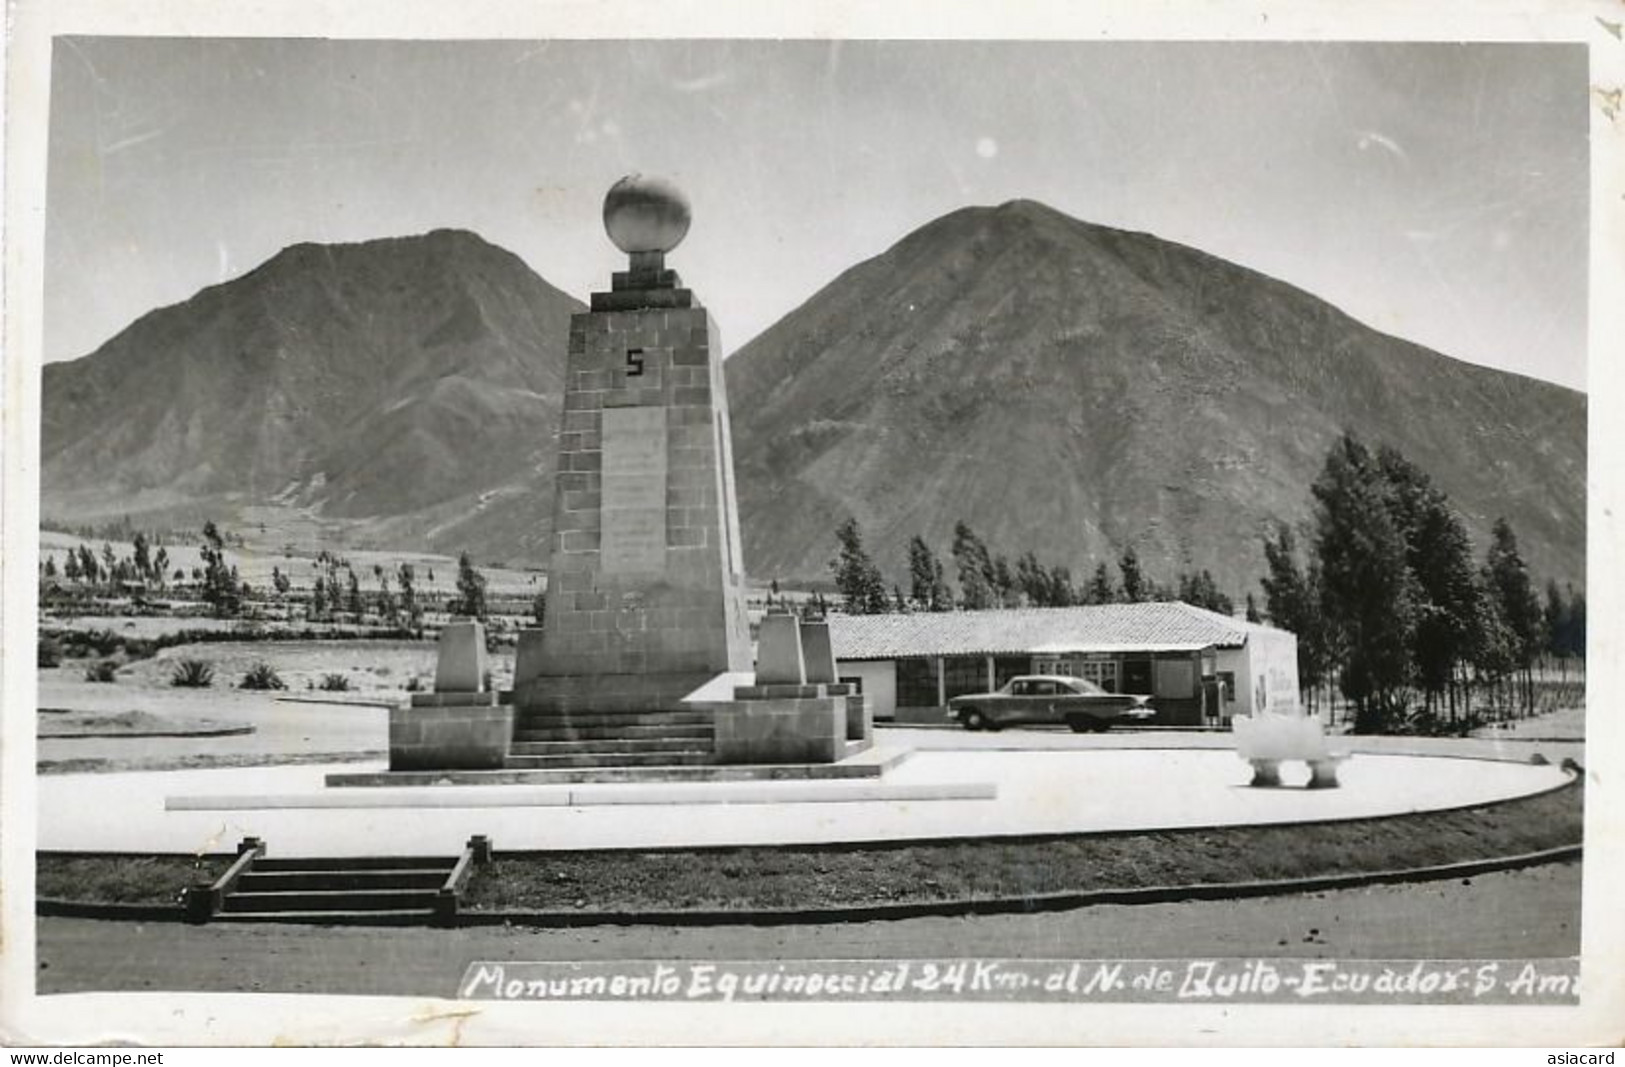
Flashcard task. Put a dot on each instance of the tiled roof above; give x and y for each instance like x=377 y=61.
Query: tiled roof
x=1096 y=628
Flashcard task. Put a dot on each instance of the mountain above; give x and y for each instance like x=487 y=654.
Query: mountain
x=1073 y=389
x=1063 y=387
x=404 y=392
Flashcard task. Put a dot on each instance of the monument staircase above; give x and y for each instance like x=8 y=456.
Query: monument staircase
x=355 y=891
x=550 y=740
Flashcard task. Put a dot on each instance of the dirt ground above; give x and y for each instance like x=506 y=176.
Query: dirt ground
x=1516 y=914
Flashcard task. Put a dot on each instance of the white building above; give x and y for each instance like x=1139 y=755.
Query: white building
x=1200 y=667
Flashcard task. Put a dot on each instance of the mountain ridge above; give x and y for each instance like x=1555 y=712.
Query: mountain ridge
x=1019 y=304
x=1062 y=386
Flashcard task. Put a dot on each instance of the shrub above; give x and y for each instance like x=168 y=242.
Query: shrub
x=191 y=674
x=103 y=642
x=50 y=653
x=414 y=684
x=335 y=683
x=263 y=676
x=101 y=671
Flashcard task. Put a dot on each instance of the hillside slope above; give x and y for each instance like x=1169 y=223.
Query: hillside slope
x=1074 y=389
x=405 y=389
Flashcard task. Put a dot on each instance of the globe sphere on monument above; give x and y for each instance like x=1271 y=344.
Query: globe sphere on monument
x=644 y=214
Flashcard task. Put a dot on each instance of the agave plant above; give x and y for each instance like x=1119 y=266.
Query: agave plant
x=191 y=674
x=263 y=676
x=101 y=671
x=335 y=683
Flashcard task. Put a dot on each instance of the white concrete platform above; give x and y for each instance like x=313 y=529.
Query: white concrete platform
x=591 y=795
x=1036 y=792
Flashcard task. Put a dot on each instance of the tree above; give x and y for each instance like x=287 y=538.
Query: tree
x=1032 y=579
x=856 y=576
x=387 y=608
x=928 y=589
x=1004 y=583
x=899 y=603
x=1134 y=584
x=89 y=569
x=1438 y=555
x=1201 y=590
x=470 y=600
x=1553 y=617
x=976 y=576
x=160 y=565
x=1101 y=590
x=1574 y=639
x=1367 y=589
x=70 y=565
x=406 y=575
x=142 y=557
x=1514 y=596
x=280 y=582
x=318 y=597
x=220 y=586
x=1292 y=601
x=352 y=599
x=1252 y=609
x=50 y=567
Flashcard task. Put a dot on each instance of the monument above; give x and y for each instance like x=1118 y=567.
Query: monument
x=644 y=656
x=645 y=584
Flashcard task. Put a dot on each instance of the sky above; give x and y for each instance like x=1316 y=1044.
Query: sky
x=1434 y=191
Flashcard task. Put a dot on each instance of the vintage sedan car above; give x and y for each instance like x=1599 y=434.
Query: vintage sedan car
x=1049 y=698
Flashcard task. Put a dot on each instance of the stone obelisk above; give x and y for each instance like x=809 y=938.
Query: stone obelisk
x=645 y=595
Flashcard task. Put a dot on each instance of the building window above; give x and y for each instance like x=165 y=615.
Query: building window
x=1008 y=667
x=964 y=674
x=855 y=683
x=1175 y=678
x=1103 y=672
x=917 y=682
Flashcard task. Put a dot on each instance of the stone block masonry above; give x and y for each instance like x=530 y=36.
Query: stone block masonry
x=646 y=572
x=468 y=737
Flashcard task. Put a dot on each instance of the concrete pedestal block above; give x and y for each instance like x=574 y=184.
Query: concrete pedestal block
x=817 y=654
x=780 y=731
x=778 y=652
x=460 y=664
x=451 y=737
x=860 y=724
x=449 y=700
x=527 y=663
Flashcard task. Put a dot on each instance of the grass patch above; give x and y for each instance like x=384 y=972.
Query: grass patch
x=199 y=761
x=122 y=879
x=849 y=876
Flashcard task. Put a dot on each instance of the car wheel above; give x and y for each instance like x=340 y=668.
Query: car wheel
x=1080 y=724
x=972 y=719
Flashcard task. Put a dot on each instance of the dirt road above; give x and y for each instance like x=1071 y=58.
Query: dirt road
x=1532 y=913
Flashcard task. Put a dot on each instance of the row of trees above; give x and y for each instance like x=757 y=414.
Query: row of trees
x=988 y=580
x=397 y=600
x=1390 y=604
x=147 y=563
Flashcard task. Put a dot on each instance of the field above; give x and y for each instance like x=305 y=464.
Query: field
x=435 y=575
